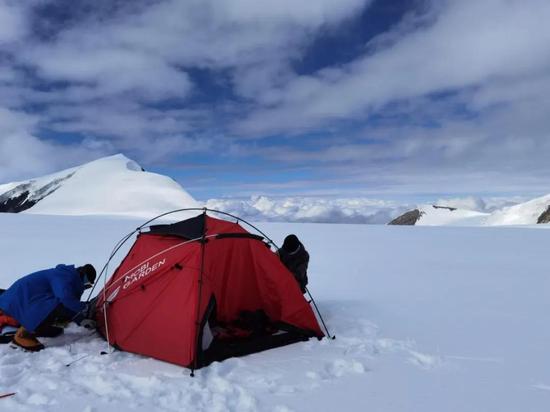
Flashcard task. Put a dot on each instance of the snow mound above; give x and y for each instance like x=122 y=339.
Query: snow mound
x=112 y=185
x=526 y=213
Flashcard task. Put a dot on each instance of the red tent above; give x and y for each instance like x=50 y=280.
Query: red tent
x=185 y=291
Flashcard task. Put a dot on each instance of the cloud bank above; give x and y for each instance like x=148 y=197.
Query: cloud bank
x=451 y=98
x=359 y=210
x=310 y=210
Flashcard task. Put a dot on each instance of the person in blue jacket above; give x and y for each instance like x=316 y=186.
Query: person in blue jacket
x=41 y=298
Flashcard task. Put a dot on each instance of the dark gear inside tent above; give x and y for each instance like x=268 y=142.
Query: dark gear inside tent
x=202 y=290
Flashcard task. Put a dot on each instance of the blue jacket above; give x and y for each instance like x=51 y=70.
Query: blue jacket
x=33 y=297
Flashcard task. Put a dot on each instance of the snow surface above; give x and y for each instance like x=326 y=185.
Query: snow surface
x=523 y=214
x=112 y=185
x=427 y=319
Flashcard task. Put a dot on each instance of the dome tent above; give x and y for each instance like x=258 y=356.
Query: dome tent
x=183 y=286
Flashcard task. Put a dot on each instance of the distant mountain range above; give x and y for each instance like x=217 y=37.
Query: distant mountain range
x=117 y=185
x=112 y=185
x=536 y=211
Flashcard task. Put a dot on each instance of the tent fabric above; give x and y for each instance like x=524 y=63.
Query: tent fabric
x=188 y=229
x=169 y=278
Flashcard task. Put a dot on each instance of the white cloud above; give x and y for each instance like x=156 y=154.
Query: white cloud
x=310 y=209
x=112 y=64
x=23 y=155
x=469 y=44
x=486 y=128
x=109 y=70
x=476 y=203
x=467 y=203
x=147 y=51
x=308 y=14
x=13 y=24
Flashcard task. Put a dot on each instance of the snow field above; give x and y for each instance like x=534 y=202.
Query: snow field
x=426 y=319
x=265 y=381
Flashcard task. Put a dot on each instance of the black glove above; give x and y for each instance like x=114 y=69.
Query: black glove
x=90 y=311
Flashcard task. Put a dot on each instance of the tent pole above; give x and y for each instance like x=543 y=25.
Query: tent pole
x=320 y=316
x=105 y=304
x=197 y=322
x=120 y=243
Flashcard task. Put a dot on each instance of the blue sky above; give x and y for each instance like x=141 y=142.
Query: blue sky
x=406 y=100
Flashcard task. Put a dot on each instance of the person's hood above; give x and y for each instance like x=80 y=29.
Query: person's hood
x=67 y=268
x=71 y=269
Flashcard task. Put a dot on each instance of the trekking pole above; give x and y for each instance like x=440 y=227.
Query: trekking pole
x=7 y=395
x=76 y=360
x=320 y=316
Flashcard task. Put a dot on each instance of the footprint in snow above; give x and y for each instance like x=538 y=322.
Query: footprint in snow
x=38 y=399
x=10 y=374
x=14 y=359
x=336 y=369
x=425 y=361
x=341 y=367
x=282 y=408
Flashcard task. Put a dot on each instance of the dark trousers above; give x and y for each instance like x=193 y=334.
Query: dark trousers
x=58 y=315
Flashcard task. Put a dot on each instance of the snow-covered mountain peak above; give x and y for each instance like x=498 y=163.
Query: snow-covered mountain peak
x=436 y=215
x=527 y=213
x=114 y=163
x=535 y=211
x=113 y=185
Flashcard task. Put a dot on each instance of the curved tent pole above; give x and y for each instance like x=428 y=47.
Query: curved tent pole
x=117 y=247
x=205 y=209
x=277 y=247
x=122 y=241
x=247 y=223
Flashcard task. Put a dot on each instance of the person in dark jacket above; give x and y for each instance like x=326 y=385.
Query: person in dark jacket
x=294 y=256
x=41 y=298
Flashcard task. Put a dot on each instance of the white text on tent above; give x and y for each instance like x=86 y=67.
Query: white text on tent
x=141 y=272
